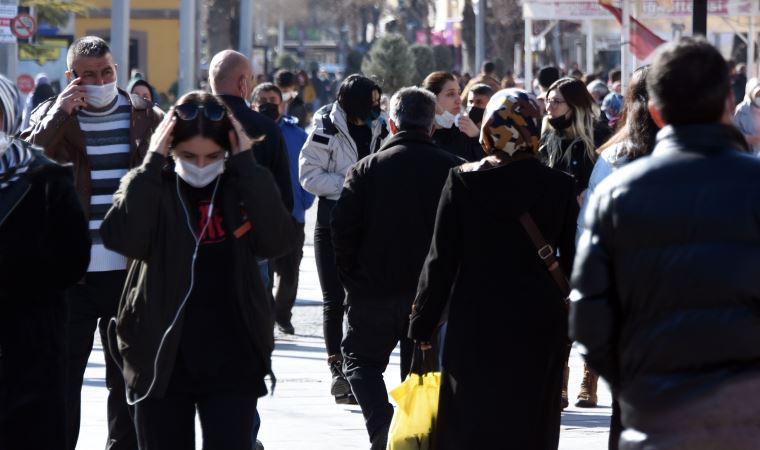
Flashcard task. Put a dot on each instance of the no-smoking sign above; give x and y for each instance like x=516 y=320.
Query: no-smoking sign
x=23 y=26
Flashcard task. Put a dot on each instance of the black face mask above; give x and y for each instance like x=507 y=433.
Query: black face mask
x=476 y=114
x=270 y=110
x=561 y=123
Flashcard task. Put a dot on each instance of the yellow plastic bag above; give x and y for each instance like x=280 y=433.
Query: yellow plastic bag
x=414 y=420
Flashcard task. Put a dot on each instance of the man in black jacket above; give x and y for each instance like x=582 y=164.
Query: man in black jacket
x=381 y=229
x=231 y=78
x=666 y=282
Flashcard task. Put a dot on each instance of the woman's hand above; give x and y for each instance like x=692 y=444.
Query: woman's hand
x=239 y=139
x=162 y=137
x=424 y=345
x=468 y=127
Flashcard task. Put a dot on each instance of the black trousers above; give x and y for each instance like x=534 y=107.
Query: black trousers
x=91 y=305
x=32 y=374
x=373 y=332
x=227 y=421
x=333 y=295
x=287 y=269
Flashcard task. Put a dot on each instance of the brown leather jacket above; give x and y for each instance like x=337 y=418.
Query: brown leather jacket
x=59 y=134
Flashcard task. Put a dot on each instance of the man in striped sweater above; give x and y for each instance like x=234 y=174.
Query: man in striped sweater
x=104 y=132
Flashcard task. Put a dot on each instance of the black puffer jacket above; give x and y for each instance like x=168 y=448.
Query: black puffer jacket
x=666 y=293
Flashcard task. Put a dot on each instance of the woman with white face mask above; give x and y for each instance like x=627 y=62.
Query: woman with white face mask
x=193 y=218
x=747 y=115
x=454 y=131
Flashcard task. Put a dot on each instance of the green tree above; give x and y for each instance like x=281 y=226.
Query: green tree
x=444 y=60
x=56 y=12
x=286 y=61
x=424 y=62
x=390 y=62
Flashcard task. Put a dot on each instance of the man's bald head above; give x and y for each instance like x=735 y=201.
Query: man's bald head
x=229 y=73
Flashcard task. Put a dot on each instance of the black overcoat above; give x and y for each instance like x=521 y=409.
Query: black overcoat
x=507 y=334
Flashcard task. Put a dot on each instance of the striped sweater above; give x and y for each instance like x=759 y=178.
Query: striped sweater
x=107 y=138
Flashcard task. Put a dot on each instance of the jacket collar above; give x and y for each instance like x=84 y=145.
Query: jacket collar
x=406 y=138
x=707 y=139
x=233 y=101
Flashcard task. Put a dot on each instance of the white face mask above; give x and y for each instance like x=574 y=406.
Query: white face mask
x=100 y=96
x=445 y=120
x=5 y=142
x=288 y=96
x=195 y=176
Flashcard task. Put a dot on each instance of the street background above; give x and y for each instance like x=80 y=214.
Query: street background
x=302 y=415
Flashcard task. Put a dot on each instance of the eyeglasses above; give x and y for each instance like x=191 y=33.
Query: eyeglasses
x=555 y=102
x=189 y=111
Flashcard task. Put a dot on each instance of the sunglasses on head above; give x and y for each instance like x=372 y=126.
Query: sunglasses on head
x=190 y=111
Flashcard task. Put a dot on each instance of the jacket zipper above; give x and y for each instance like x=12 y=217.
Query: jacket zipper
x=14 y=206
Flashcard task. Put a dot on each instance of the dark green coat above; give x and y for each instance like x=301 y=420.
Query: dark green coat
x=147 y=223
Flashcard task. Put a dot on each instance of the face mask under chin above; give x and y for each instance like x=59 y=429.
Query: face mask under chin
x=561 y=123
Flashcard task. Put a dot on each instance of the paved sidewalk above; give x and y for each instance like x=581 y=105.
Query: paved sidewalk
x=302 y=415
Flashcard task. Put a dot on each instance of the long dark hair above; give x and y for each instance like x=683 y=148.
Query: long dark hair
x=355 y=96
x=217 y=131
x=638 y=133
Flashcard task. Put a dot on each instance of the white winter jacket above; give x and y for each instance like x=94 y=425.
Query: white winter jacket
x=330 y=151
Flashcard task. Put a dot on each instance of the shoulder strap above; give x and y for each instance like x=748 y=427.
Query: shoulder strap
x=546 y=253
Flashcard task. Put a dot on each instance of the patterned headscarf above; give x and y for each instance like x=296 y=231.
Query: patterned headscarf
x=11 y=104
x=512 y=122
x=14 y=155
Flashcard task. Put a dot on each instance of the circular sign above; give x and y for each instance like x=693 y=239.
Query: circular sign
x=23 y=26
x=25 y=83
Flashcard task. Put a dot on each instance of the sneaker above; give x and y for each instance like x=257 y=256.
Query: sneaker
x=286 y=327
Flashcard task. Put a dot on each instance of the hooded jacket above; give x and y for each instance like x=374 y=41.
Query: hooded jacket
x=147 y=223
x=330 y=151
x=743 y=117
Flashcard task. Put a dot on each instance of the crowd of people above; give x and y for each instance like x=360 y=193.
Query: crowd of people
x=457 y=218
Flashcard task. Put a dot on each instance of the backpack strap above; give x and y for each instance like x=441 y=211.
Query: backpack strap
x=546 y=253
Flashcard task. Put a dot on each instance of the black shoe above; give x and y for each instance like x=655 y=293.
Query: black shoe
x=380 y=439
x=286 y=327
x=258 y=445
x=340 y=388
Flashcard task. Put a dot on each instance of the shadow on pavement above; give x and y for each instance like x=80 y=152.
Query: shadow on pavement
x=95 y=382
x=302 y=302
x=290 y=346
x=574 y=419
